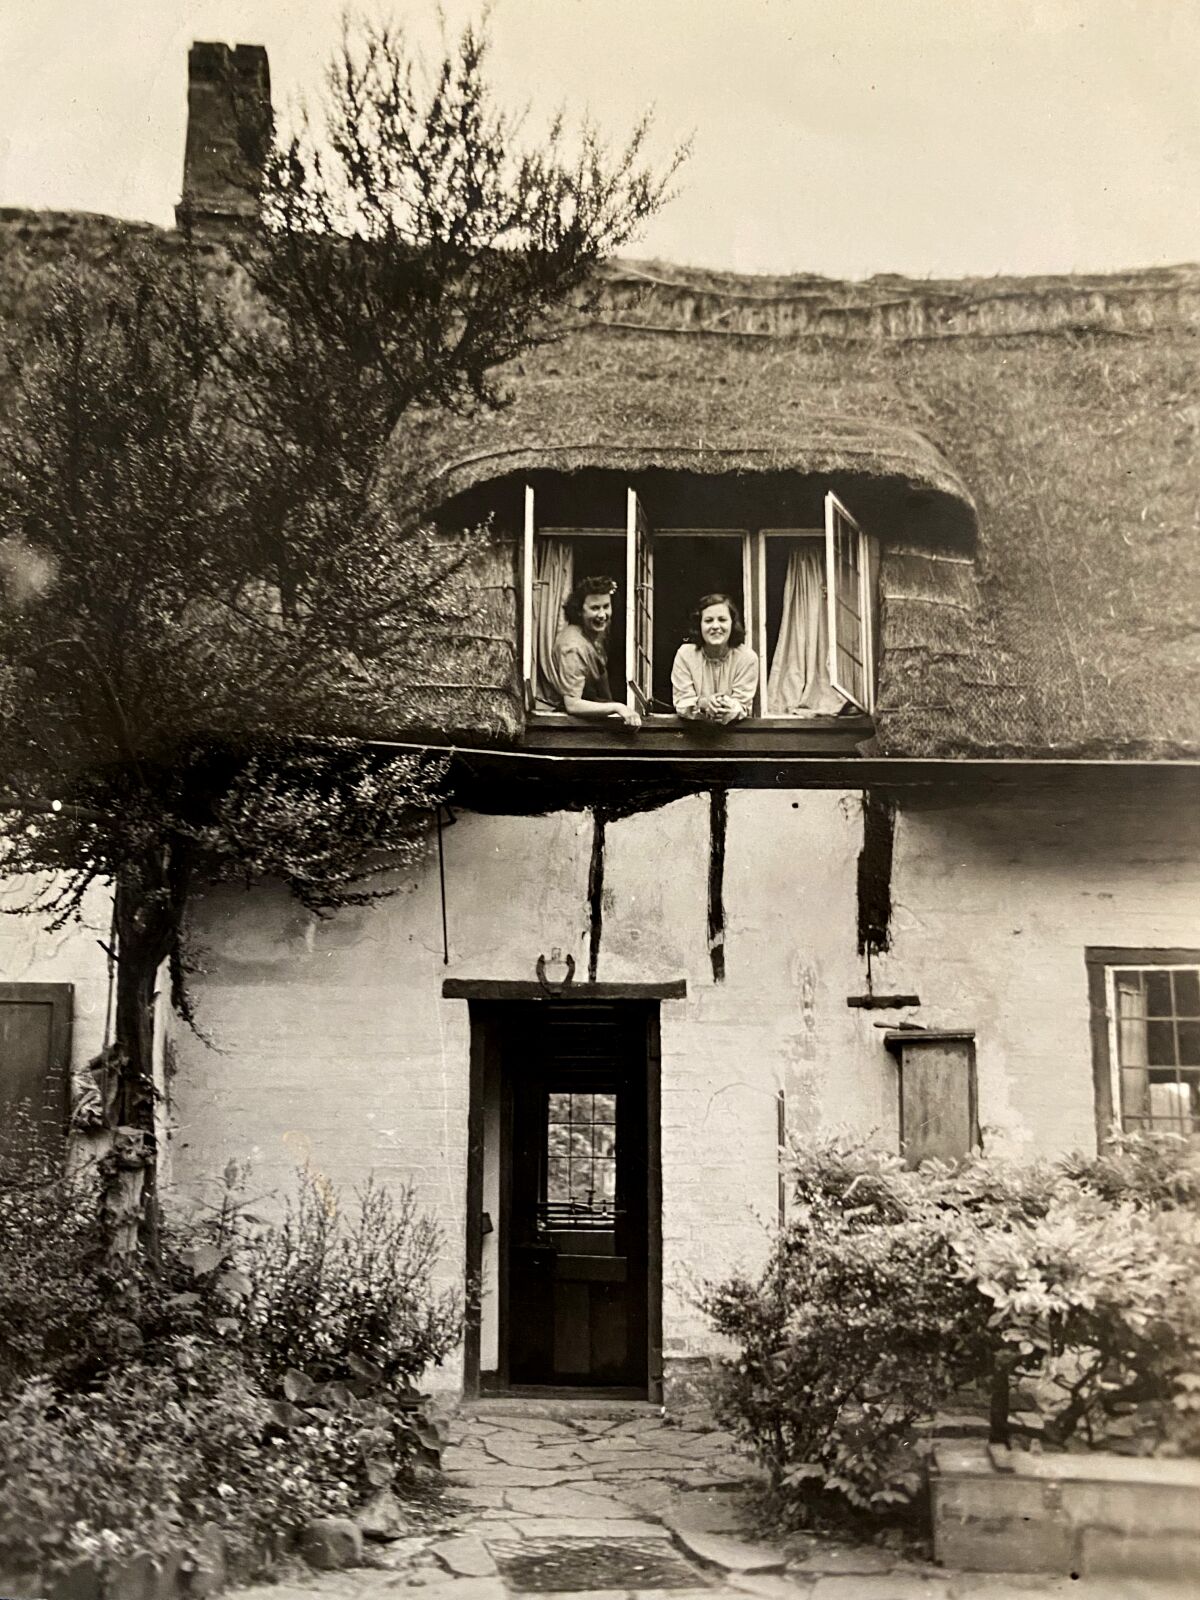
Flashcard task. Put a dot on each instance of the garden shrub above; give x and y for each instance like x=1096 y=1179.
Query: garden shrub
x=891 y=1293
x=263 y=1374
x=62 y=1313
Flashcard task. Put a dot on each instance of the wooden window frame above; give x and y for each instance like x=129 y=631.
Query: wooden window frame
x=834 y=510
x=640 y=541
x=1101 y=961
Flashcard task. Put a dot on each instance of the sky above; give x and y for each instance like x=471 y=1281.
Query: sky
x=847 y=137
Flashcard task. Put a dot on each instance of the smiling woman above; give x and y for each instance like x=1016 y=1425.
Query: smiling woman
x=714 y=677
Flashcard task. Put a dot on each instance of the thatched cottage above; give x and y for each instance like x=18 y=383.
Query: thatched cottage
x=939 y=888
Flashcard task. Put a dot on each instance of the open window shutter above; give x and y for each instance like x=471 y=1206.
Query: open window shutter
x=848 y=603
x=639 y=606
x=527 y=602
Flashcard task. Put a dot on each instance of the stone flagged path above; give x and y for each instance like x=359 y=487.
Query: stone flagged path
x=616 y=1502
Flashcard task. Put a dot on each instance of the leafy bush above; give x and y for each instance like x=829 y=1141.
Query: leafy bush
x=148 y=1459
x=264 y=1374
x=62 y=1315
x=332 y=1290
x=890 y=1293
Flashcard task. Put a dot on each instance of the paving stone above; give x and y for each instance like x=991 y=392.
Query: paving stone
x=562 y=1503
x=655 y=1461
x=479 y=1496
x=506 y=1478
x=585 y=1528
x=538 y=1425
x=527 y=1452
x=495 y=1527
x=465 y=1555
x=770 y=1585
x=725 y=1551
x=715 y=1511
x=879 y=1586
x=839 y=1558
x=452 y=1588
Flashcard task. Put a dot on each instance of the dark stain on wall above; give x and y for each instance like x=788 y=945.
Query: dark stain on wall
x=718 y=819
x=596 y=891
x=875 y=874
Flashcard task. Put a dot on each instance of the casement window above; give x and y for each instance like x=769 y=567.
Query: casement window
x=1145 y=1007
x=806 y=595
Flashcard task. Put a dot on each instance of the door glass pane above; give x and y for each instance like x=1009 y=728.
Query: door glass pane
x=580 y=1160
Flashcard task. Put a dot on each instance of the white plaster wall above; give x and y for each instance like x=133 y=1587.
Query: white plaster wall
x=993 y=908
x=30 y=954
x=331 y=1043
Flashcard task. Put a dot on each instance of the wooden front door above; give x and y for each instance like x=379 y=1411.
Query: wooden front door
x=578 y=1187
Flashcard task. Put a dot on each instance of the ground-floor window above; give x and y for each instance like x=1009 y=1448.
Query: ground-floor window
x=1146 y=1032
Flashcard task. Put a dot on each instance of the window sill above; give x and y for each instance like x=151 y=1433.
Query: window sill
x=668 y=734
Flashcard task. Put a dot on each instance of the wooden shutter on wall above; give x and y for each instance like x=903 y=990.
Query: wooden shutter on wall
x=639 y=606
x=35 y=1056
x=849 y=607
x=939 y=1116
x=527 y=602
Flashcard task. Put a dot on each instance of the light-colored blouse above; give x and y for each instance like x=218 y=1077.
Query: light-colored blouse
x=697 y=676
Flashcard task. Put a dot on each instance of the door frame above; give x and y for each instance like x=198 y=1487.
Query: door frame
x=489 y=1009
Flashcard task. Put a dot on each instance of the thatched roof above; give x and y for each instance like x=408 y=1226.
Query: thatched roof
x=1055 y=614
x=1041 y=434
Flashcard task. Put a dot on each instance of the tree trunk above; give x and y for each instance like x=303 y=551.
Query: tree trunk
x=147 y=913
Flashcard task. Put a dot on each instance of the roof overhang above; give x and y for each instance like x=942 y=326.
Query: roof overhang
x=843 y=451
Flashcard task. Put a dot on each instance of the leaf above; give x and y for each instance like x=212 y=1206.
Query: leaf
x=202 y=1259
x=364 y=1369
x=298 y=1386
x=234 y=1284
x=288 y=1415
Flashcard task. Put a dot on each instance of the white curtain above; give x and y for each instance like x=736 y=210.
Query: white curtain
x=553 y=576
x=798 y=679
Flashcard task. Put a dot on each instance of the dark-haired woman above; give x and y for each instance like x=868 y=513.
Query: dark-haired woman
x=715 y=674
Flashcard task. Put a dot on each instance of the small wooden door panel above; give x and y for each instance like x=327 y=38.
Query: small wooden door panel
x=35 y=1058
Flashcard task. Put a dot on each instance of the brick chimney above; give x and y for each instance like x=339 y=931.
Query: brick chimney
x=229 y=119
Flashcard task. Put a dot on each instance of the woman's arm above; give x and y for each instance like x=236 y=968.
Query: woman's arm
x=685 y=691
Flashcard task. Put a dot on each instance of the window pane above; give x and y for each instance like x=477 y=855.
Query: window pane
x=558 y=1139
x=1187 y=993
x=685 y=568
x=1169 y=1102
x=606 y=1180
x=558 y=1182
x=581 y=1180
x=1158 y=994
x=581 y=1143
x=1189 y=1043
x=1160 y=1040
x=606 y=1107
x=560 y=1108
x=581 y=1108
x=1129 y=994
x=604 y=1139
